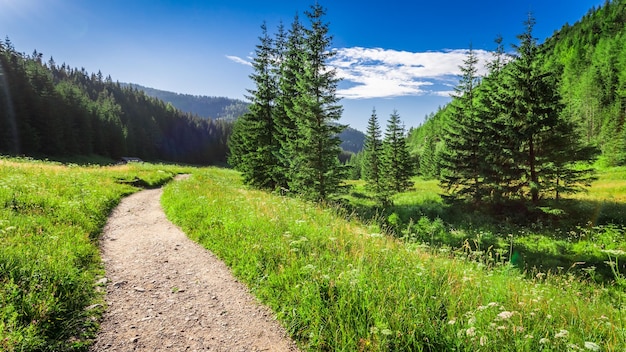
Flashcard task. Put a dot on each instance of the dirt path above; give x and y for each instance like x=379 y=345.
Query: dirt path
x=166 y=293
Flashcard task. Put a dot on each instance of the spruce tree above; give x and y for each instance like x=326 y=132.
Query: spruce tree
x=533 y=121
x=396 y=162
x=372 y=163
x=254 y=144
x=500 y=172
x=464 y=156
x=289 y=65
x=318 y=172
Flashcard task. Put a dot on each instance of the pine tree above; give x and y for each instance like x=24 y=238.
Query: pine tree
x=396 y=160
x=500 y=172
x=463 y=160
x=318 y=172
x=289 y=65
x=372 y=163
x=254 y=147
x=533 y=121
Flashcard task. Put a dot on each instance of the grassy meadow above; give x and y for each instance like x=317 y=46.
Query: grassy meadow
x=50 y=221
x=421 y=276
x=339 y=284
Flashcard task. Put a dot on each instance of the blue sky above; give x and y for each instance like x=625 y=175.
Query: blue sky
x=391 y=54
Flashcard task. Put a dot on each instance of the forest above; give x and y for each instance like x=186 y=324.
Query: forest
x=55 y=111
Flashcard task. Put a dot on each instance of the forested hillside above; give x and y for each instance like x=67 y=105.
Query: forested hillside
x=588 y=62
x=203 y=106
x=54 y=110
x=230 y=109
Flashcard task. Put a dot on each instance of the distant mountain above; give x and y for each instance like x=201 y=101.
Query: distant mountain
x=352 y=140
x=203 y=106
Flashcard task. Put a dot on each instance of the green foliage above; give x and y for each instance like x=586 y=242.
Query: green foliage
x=340 y=285
x=50 y=220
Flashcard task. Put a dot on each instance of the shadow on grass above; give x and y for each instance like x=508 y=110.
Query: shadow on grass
x=585 y=237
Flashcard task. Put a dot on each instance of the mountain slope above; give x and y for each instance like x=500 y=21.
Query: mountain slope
x=203 y=106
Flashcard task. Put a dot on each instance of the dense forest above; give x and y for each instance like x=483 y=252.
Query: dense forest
x=52 y=110
x=587 y=62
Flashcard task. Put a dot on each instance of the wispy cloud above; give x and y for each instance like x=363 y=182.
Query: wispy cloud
x=239 y=60
x=384 y=73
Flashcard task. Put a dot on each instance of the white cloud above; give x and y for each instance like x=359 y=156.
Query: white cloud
x=238 y=60
x=383 y=73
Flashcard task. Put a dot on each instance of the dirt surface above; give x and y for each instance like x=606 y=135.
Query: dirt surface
x=166 y=293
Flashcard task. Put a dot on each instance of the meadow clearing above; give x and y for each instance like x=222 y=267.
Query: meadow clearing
x=337 y=279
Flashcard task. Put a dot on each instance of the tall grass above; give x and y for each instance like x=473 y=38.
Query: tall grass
x=338 y=285
x=50 y=218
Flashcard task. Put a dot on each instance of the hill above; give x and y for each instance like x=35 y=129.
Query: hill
x=230 y=109
x=204 y=106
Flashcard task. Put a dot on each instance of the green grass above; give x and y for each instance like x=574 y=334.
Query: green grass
x=50 y=220
x=339 y=285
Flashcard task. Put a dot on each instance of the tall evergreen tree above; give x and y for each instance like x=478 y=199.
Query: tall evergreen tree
x=290 y=60
x=396 y=160
x=463 y=160
x=255 y=146
x=372 y=163
x=319 y=173
x=533 y=121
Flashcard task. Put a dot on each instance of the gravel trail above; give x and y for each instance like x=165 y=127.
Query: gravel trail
x=167 y=293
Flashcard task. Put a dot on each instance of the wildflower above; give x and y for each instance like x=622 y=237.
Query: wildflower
x=483 y=340
x=501 y=327
x=573 y=347
x=591 y=346
x=505 y=315
x=471 y=332
x=492 y=304
x=471 y=321
x=561 y=334
x=544 y=340
x=529 y=336
x=452 y=322
x=386 y=332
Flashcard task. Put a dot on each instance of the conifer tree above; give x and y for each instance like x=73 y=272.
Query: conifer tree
x=254 y=144
x=289 y=65
x=396 y=161
x=463 y=159
x=318 y=172
x=372 y=161
x=533 y=121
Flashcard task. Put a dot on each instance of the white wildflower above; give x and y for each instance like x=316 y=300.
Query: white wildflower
x=471 y=332
x=483 y=340
x=592 y=346
x=544 y=340
x=561 y=334
x=505 y=315
x=452 y=322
